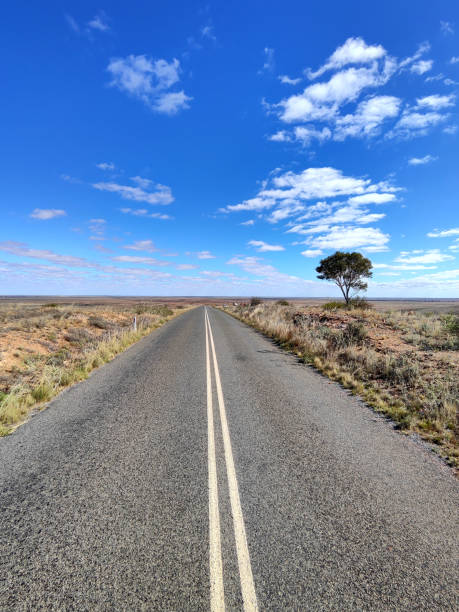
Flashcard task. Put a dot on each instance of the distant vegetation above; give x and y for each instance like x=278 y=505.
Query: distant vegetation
x=347 y=271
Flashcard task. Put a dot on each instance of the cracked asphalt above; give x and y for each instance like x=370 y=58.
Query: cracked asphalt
x=104 y=495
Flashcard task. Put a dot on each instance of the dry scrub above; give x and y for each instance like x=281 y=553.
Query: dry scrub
x=404 y=364
x=45 y=348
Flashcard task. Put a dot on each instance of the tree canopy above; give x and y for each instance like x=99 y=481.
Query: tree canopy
x=347 y=271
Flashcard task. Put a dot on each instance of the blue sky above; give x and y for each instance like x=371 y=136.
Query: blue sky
x=181 y=148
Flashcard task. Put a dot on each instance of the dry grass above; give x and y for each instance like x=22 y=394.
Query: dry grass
x=45 y=348
x=404 y=364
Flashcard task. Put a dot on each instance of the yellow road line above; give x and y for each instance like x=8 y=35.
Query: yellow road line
x=217 y=595
x=245 y=569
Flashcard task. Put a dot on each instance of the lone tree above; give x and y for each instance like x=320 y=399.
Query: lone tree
x=346 y=270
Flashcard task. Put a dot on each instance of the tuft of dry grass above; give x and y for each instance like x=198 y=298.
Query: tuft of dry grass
x=375 y=356
x=44 y=349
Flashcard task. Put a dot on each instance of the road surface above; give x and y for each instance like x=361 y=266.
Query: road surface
x=205 y=469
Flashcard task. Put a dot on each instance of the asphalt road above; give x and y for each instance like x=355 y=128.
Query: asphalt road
x=179 y=477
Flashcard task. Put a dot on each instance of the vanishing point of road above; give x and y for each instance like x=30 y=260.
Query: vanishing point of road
x=205 y=469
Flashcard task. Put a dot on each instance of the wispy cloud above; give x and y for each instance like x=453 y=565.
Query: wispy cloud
x=446 y=27
x=23 y=250
x=421 y=161
x=269 y=64
x=156 y=194
x=47 y=213
x=263 y=247
x=142 y=245
x=205 y=255
x=143 y=212
x=141 y=260
x=106 y=166
x=286 y=80
x=422 y=66
x=432 y=256
x=444 y=233
x=149 y=81
x=99 y=22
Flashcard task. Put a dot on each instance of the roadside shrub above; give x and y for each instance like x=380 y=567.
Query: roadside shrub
x=78 y=335
x=361 y=303
x=282 y=303
x=98 y=322
x=335 y=305
x=255 y=301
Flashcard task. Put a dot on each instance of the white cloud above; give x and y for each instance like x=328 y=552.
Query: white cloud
x=268 y=65
x=263 y=247
x=205 y=255
x=454 y=60
x=436 y=102
x=413 y=124
x=249 y=222
x=289 y=189
x=286 y=80
x=405 y=267
x=99 y=22
x=446 y=27
x=141 y=260
x=444 y=233
x=312 y=253
x=186 y=267
x=305 y=135
x=350 y=237
x=321 y=101
x=367 y=119
x=142 y=245
x=422 y=66
x=106 y=166
x=22 y=250
x=431 y=256
x=161 y=194
x=372 y=198
x=148 y=80
x=450 y=129
x=421 y=50
x=47 y=213
x=207 y=31
x=353 y=51
x=143 y=212
x=281 y=136
x=420 y=161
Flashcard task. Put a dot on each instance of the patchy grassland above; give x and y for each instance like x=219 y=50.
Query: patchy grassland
x=404 y=364
x=47 y=347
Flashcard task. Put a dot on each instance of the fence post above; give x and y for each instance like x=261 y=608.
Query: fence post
x=135 y=323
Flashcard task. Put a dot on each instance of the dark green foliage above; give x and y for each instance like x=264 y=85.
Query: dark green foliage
x=255 y=301
x=282 y=303
x=347 y=271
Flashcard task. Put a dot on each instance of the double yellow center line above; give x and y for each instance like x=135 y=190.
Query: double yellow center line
x=217 y=594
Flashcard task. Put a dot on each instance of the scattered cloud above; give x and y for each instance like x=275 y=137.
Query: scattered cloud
x=47 y=213
x=207 y=31
x=353 y=51
x=205 y=255
x=156 y=194
x=420 y=161
x=368 y=118
x=149 y=81
x=432 y=256
x=186 y=267
x=454 y=60
x=72 y=23
x=23 y=250
x=421 y=66
x=286 y=80
x=263 y=247
x=142 y=245
x=106 y=166
x=444 y=233
x=140 y=260
x=450 y=129
x=446 y=27
x=339 y=237
x=436 y=102
x=143 y=212
x=249 y=222
x=312 y=253
x=268 y=65
x=99 y=22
